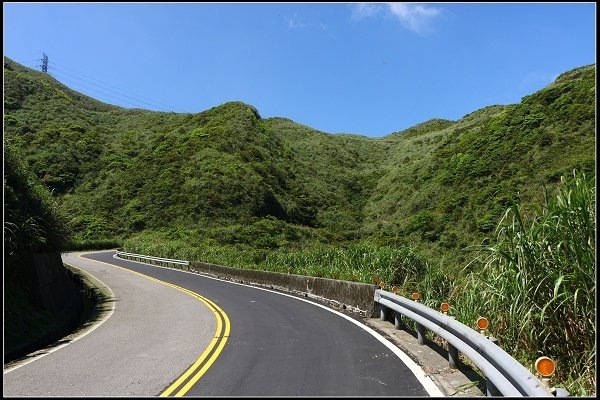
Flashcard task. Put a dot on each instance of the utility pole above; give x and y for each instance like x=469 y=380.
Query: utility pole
x=45 y=63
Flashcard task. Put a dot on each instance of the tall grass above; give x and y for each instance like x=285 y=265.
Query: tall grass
x=32 y=220
x=536 y=283
x=93 y=244
x=360 y=262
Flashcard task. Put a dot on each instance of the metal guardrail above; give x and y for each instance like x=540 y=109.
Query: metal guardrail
x=504 y=375
x=165 y=262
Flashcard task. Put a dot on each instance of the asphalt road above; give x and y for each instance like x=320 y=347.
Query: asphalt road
x=254 y=342
x=153 y=335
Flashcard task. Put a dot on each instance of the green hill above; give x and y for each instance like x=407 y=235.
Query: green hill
x=441 y=185
x=417 y=209
x=448 y=184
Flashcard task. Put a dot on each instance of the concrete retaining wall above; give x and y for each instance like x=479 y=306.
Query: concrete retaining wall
x=49 y=287
x=354 y=296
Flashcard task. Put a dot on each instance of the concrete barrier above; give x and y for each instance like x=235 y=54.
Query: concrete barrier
x=49 y=290
x=355 y=296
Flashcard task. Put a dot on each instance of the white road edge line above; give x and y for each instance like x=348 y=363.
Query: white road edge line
x=428 y=384
x=84 y=333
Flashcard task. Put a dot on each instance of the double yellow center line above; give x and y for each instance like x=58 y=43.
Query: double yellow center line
x=184 y=383
x=208 y=357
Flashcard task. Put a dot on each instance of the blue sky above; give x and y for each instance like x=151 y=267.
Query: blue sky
x=365 y=68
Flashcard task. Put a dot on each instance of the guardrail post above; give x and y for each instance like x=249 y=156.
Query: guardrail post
x=491 y=390
x=421 y=334
x=397 y=320
x=453 y=359
x=382 y=312
x=416 y=296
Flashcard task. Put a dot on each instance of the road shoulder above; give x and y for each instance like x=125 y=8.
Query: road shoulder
x=463 y=382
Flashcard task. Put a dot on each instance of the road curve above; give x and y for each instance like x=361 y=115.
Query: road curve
x=153 y=335
x=279 y=345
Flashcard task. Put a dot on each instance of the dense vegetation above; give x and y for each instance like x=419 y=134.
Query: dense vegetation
x=540 y=271
x=33 y=223
x=32 y=220
x=416 y=208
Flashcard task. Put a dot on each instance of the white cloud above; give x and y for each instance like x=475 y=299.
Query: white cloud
x=415 y=17
x=294 y=22
x=365 y=10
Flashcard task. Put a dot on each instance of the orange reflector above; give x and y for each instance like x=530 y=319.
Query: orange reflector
x=395 y=289
x=482 y=323
x=415 y=296
x=545 y=366
x=381 y=285
x=444 y=307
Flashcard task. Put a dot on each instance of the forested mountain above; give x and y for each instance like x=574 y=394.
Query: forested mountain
x=495 y=209
x=441 y=185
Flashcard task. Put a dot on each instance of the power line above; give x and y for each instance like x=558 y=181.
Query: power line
x=94 y=79
x=88 y=89
x=118 y=88
x=77 y=80
x=29 y=64
x=120 y=95
x=52 y=67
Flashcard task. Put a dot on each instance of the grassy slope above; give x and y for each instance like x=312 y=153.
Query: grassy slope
x=331 y=176
x=448 y=185
x=271 y=192
x=440 y=185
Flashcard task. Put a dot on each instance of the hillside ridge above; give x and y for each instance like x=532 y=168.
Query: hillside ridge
x=440 y=184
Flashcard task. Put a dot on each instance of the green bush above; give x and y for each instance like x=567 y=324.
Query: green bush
x=32 y=220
